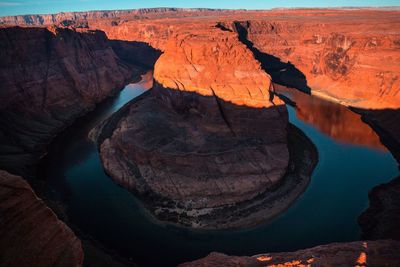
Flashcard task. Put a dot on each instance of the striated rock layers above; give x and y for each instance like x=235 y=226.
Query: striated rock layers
x=31 y=234
x=368 y=253
x=142 y=13
x=204 y=147
x=48 y=77
x=348 y=56
x=345 y=56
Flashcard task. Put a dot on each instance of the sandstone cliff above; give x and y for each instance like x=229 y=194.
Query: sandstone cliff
x=143 y=13
x=48 y=77
x=209 y=120
x=31 y=234
x=347 y=56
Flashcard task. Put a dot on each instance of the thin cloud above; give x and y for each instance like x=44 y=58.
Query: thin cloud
x=3 y=4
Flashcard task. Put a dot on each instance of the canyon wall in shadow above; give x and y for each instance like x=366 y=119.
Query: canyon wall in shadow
x=48 y=77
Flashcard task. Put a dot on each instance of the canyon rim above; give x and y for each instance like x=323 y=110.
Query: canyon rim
x=203 y=123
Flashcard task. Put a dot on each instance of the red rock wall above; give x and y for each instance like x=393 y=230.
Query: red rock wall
x=350 y=57
x=48 y=77
x=31 y=234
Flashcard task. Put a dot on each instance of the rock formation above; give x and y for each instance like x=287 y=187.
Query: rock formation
x=31 y=234
x=381 y=219
x=48 y=77
x=361 y=253
x=346 y=57
x=209 y=120
x=143 y=13
x=385 y=122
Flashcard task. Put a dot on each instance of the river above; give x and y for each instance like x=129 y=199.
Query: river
x=352 y=161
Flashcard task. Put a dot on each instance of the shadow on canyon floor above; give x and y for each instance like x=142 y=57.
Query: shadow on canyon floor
x=281 y=72
x=385 y=123
x=136 y=53
x=36 y=104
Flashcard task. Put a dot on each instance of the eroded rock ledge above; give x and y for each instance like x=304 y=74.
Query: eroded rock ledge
x=361 y=253
x=207 y=148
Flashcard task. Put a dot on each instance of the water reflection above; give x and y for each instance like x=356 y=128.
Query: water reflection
x=332 y=119
x=327 y=212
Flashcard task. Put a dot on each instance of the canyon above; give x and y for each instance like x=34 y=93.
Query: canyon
x=205 y=123
x=49 y=77
x=210 y=145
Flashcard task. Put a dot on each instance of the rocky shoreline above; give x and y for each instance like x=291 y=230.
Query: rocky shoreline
x=264 y=207
x=51 y=75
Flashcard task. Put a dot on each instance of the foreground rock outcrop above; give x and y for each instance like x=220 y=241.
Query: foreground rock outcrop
x=31 y=234
x=361 y=253
x=48 y=77
x=209 y=120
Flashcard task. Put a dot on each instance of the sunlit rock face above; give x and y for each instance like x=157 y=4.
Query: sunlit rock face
x=206 y=138
x=349 y=56
x=361 y=253
x=48 y=77
x=345 y=56
x=31 y=234
x=211 y=62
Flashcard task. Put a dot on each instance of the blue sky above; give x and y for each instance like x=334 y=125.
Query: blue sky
x=18 y=7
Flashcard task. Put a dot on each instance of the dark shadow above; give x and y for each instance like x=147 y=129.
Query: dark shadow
x=282 y=73
x=32 y=114
x=385 y=123
x=381 y=219
x=136 y=53
x=207 y=140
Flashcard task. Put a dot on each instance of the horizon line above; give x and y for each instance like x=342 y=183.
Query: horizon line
x=209 y=8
